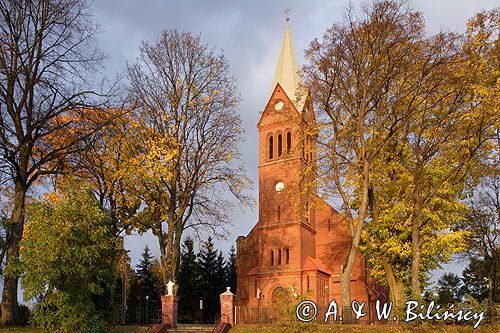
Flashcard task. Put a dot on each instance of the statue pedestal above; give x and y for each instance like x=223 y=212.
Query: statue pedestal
x=227 y=307
x=169 y=305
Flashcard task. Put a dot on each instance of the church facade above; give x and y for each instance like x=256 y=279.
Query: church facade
x=299 y=244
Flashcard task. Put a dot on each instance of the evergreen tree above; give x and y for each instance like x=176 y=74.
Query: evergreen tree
x=189 y=284
x=450 y=289
x=211 y=288
x=144 y=283
x=220 y=275
x=475 y=278
x=231 y=270
x=147 y=281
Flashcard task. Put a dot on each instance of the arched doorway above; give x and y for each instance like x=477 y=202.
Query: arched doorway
x=280 y=294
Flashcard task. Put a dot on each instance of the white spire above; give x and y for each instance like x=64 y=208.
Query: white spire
x=287 y=71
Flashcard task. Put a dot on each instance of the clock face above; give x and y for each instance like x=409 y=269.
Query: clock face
x=279 y=105
x=279 y=186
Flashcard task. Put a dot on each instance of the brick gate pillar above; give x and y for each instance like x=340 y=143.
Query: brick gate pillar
x=169 y=310
x=227 y=307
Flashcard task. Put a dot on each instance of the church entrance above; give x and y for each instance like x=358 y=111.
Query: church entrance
x=280 y=295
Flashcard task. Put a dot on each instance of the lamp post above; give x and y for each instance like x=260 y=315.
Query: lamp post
x=124 y=285
x=201 y=310
x=147 y=309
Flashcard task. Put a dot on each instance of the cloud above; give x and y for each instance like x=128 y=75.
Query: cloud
x=249 y=33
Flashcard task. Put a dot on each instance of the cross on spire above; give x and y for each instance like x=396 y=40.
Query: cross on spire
x=287 y=12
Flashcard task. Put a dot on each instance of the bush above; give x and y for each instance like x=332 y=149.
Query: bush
x=61 y=312
x=68 y=257
x=24 y=315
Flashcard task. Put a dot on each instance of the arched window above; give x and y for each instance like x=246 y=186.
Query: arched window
x=271 y=258
x=288 y=142
x=287 y=256
x=279 y=213
x=280 y=144
x=271 y=146
x=279 y=257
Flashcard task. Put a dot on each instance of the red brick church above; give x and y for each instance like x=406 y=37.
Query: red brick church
x=299 y=244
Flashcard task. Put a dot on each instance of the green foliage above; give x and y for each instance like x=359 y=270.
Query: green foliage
x=64 y=312
x=284 y=310
x=189 y=284
x=68 y=257
x=204 y=275
x=450 y=289
x=211 y=263
x=145 y=281
x=231 y=270
x=148 y=281
x=475 y=278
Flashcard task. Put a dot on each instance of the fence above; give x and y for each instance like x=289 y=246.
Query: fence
x=265 y=315
x=146 y=313
x=286 y=314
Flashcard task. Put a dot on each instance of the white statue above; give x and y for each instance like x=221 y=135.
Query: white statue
x=170 y=288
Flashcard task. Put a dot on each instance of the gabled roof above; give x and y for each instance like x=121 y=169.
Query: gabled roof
x=312 y=264
x=287 y=72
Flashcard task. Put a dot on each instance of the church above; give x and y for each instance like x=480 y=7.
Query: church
x=299 y=243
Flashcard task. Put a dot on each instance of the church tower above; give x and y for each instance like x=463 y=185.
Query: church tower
x=285 y=151
x=299 y=244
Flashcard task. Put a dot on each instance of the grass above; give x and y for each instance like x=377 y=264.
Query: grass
x=115 y=329
x=19 y=329
x=319 y=329
x=128 y=329
x=367 y=328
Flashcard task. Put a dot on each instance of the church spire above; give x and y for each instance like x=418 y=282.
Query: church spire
x=287 y=71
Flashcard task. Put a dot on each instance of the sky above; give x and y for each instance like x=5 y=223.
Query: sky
x=250 y=34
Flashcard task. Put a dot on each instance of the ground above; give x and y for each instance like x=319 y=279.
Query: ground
x=117 y=329
x=370 y=329
x=319 y=329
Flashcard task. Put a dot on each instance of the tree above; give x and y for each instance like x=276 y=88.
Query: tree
x=146 y=279
x=450 y=289
x=211 y=282
x=482 y=226
x=482 y=221
x=401 y=139
x=67 y=256
x=189 y=284
x=231 y=270
x=477 y=278
x=357 y=75
x=104 y=160
x=188 y=105
x=47 y=48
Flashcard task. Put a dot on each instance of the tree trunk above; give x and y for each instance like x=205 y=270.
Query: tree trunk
x=396 y=287
x=490 y=291
x=345 y=277
x=345 y=283
x=415 y=240
x=415 y=260
x=163 y=259
x=9 y=304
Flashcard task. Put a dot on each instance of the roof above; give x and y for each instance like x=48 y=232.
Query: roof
x=287 y=72
x=312 y=264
